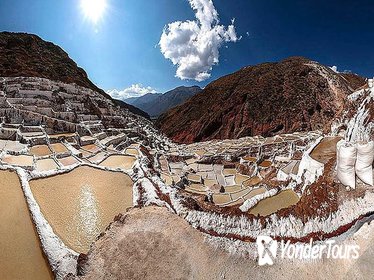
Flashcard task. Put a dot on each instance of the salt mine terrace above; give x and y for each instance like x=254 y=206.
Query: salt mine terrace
x=86 y=169
x=231 y=172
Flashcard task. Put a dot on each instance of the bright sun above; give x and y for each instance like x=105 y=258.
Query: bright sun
x=93 y=9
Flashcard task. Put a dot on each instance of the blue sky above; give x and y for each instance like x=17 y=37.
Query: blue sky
x=122 y=48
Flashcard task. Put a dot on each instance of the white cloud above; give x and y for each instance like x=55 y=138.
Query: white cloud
x=193 y=45
x=135 y=90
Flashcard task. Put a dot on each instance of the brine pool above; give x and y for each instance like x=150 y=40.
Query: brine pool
x=79 y=205
x=272 y=204
x=21 y=253
x=119 y=161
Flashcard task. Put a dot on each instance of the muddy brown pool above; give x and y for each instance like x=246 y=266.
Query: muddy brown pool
x=21 y=256
x=272 y=204
x=80 y=204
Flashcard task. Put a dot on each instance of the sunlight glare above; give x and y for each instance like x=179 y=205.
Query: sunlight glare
x=93 y=9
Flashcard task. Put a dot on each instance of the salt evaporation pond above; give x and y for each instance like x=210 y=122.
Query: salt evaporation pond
x=21 y=255
x=46 y=164
x=119 y=161
x=272 y=204
x=79 y=205
x=59 y=148
x=40 y=151
x=20 y=160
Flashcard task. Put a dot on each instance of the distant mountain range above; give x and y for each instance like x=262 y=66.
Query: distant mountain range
x=157 y=103
x=296 y=94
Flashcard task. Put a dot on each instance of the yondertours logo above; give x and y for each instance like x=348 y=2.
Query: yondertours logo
x=269 y=250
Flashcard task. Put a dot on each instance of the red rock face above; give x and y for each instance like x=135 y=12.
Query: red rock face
x=271 y=98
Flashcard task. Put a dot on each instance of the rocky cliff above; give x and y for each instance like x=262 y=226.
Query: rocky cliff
x=296 y=94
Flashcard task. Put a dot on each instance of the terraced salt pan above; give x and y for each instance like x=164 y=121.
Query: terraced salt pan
x=239 y=178
x=40 y=150
x=176 y=165
x=80 y=204
x=251 y=159
x=85 y=153
x=119 y=161
x=210 y=182
x=67 y=161
x=266 y=163
x=164 y=164
x=221 y=198
x=61 y=135
x=134 y=145
x=230 y=180
x=240 y=197
x=200 y=152
x=272 y=204
x=21 y=255
x=193 y=166
x=12 y=146
x=205 y=167
x=251 y=182
x=229 y=171
x=46 y=164
x=178 y=172
x=2 y=144
x=191 y=161
x=132 y=152
x=21 y=160
x=217 y=168
x=238 y=194
x=196 y=188
x=194 y=178
x=59 y=148
x=32 y=134
x=254 y=192
x=233 y=189
x=98 y=157
x=207 y=174
x=167 y=178
x=176 y=179
x=92 y=148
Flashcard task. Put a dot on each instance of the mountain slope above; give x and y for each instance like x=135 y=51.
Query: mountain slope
x=149 y=97
x=295 y=94
x=156 y=104
x=27 y=55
